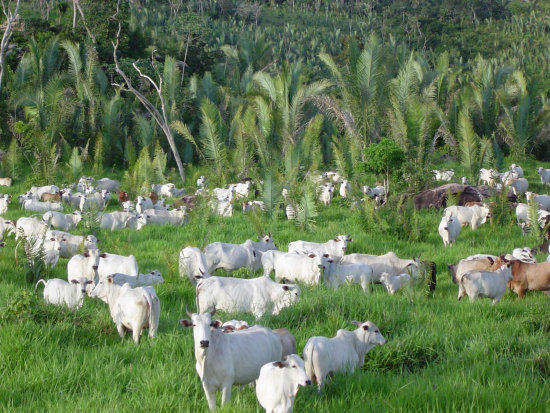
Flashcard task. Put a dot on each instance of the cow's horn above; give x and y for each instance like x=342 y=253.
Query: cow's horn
x=187 y=311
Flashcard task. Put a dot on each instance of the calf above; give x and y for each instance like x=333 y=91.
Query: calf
x=486 y=283
x=294 y=267
x=278 y=384
x=255 y=296
x=393 y=283
x=63 y=221
x=131 y=309
x=342 y=353
x=227 y=359
x=335 y=247
x=192 y=263
x=449 y=228
x=61 y=292
x=339 y=274
x=140 y=280
x=51 y=197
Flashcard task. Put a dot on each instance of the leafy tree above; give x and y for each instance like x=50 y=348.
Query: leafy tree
x=384 y=158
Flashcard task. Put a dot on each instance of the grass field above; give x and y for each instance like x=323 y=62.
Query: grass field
x=440 y=355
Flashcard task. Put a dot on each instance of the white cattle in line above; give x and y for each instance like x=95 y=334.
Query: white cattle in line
x=113 y=263
x=295 y=267
x=5 y=199
x=141 y=280
x=29 y=227
x=61 y=292
x=473 y=216
x=160 y=217
x=337 y=275
x=288 y=342
x=335 y=247
x=226 y=359
x=278 y=384
x=230 y=257
x=542 y=200
x=345 y=188
x=389 y=263
x=393 y=283
x=131 y=309
x=70 y=244
x=449 y=229
x=107 y=184
x=544 y=175
x=490 y=284
x=63 y=221
x=342 y=353
x=255 y=296
x=192 y=263
x=38 y=206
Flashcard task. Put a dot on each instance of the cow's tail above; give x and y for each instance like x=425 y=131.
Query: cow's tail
x=38 y=282
x=153 y=308
x=309 y=355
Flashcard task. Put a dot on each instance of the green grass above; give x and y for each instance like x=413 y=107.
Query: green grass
x=441 y=354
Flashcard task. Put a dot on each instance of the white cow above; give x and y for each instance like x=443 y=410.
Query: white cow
x=113 y=263
x=38 y=206
x=242 y=189
x=63 y=221
x=377 y=192
x=288 y=342
x=70 y=244
x=61 y=292
x=326 y=193
x=119 y=220
x=518 y=170
x=389 y=263
x=278 y=384
x=131 y=309
x=255 y=296
x=295 y=267
x=523 y=254
x=141 y=280
x=30 y=227
x=107 y=184
x=6 y=225
x=474 y=215
x=50 y=248
x=518 y=186
x=36 y=192
x=345 y=188
x=249 y=206
x=95 y=200
x=335 y=247
x=160 y=217
x=393 y=283
x=443 y=175
x=5 y=199
x=227 y=359
x=202 y=182
x=231 y=257
x=192 y=263
x=449 y=228
x=339 y=274
x=544 y=175
x=487 y=283
x=222 y=207
x=488 y=176
x=342 y=353
x=542 y=200
x=476 y=262
x=5 y=181
x=523 y=216
x=84 y=265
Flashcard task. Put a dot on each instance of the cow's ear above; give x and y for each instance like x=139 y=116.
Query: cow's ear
x=336 y=239
x=216 y=324
x=198 y=277
x=89 y=282
x=86 y=254
x=286 y=287
x=74 y=281
x=311 y=255
x=52 y=239
x=279 y=364
x=357 y=323
x=186 y=323
x=104 y=255
x=110 y=280
x=366 y=328
x=325 y=255
x=254 y=252
x=350 y=239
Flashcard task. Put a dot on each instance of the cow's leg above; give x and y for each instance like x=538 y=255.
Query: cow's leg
x=521 y=293
x=121 y=330
x=136 y=333
x=226 y=393
x=210 y=396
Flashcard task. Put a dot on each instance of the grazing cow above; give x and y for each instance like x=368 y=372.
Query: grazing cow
x=288 y=342
x=113 y=263
x=227 y=359
x=449 y=228
x=339 y=274
x=255 y=296
x=335 y=247
x=294 y=267
x=140 y=280
x=230 y=257
x=479 y=262
x=5 y=181
x=486 y=283
x=488 y=176
x=131 y=309
x=534 y=277
x=160 y=217
x=29 y=227
x=222 y=207
x=544 y=175
x=542 y=200
x=393 y=283
x=119 y=220
x=63 y=221
x=61 y=292
x=380 y=264
x=242 y=189
x=38 y=206
x=278 y=384
x=342 y=353
x=107 y=184
x=192 y=263
x=70 y=244
x=345 y=188
x=473 y=216
x=5 y=199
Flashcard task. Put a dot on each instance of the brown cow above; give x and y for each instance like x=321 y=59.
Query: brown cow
x=51 y=197
x=123 y=197
x=525 y=276
x=154 y=197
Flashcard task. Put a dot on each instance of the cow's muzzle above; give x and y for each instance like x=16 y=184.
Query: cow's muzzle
x=308 y=382
x=95 y=267
x=204 y=343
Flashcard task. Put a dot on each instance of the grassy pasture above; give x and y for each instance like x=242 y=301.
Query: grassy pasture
x=441 y=354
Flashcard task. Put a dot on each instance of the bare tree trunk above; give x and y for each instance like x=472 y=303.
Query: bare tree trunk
x=74 y=15
x=76 y=6
x=160 y=116
x=10 y=19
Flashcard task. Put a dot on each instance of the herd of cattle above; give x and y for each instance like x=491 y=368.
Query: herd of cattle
x=233 y=353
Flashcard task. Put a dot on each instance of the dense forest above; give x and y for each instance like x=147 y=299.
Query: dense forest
x=246 y=88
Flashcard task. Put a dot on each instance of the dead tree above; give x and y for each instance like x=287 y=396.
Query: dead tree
x=77 y=6
x=160 y=116
x=10 y=19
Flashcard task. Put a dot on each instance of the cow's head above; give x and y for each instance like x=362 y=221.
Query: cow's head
x=102 y=288
x=82 y=282
x=295 y=371
x=291 y=294
x=368 y=333
x=202 y=328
